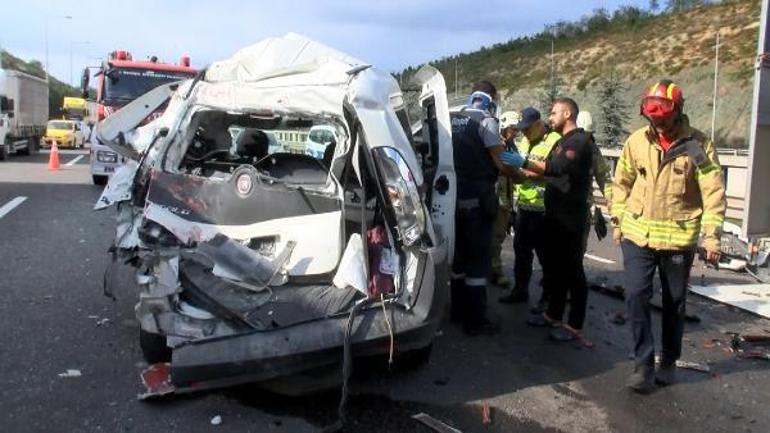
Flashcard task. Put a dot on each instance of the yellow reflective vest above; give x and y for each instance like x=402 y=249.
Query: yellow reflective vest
x=662 y=200
x=531 y=193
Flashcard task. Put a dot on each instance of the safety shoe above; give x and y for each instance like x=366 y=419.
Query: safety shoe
x=515 y=297
x=666 y=373
x=482 y=327
x=642 y=380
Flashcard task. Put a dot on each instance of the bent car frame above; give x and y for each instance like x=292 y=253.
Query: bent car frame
x=253 y=264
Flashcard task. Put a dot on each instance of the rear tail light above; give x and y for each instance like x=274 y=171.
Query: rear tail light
x=402 y=194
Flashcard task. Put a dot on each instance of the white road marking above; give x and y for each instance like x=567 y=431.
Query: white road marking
x=11 y=205
x=74 y=160
x=599 y=259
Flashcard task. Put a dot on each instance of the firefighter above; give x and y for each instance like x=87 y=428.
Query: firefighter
x=477 y=148
x=505 y=188
x=668 y=187
x=568 y=184
x=530 y=206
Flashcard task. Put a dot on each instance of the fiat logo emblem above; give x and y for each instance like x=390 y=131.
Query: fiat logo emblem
x=243 y=184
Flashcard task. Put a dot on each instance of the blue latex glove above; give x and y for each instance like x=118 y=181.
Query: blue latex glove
x=514 y=159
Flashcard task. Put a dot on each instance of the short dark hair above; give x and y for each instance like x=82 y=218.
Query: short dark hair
x=486 y=87
x=573 y=106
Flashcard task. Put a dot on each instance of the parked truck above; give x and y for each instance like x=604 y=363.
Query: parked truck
x=119 y=80
x=74 y=108
x=23 y=112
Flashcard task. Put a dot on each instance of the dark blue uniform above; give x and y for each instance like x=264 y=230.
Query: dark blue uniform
x=473 y=133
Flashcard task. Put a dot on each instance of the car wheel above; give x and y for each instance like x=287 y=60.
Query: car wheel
x=25 y=151
x=3 y=152
x=99 y=179
x=154 y=348
x=33 y=145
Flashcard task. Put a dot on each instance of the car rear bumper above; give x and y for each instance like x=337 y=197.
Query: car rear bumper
x=262 y=355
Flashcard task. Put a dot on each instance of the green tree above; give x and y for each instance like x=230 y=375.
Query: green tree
x=654 y=6
x=548 y=93
x=613 y=111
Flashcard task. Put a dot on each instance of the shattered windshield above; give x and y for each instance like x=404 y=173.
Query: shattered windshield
x=122 y=86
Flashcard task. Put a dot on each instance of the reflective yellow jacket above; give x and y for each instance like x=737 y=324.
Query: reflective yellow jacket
x=531 y=193
x=663 y=200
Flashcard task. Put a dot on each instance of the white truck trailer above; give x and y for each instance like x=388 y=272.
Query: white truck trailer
x=23 y=112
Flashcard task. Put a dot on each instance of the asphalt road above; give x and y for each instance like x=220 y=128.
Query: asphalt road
x=55 y=318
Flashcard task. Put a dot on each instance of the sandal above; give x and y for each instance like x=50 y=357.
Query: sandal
x=568 y=333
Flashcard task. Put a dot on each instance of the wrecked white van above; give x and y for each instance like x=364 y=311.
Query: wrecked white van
x=254 y=264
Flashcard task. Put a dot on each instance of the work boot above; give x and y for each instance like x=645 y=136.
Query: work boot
x=642 y=380
x=666 y=373
x=515 y=297
x=481 y=327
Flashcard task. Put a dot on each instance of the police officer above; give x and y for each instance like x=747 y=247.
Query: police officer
x=568 y=174
x=530 y=206
x=477 y=149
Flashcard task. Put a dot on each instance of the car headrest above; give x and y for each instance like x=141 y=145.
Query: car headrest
x=252 y=143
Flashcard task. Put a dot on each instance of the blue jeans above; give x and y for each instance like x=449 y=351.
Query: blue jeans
x=673 y=267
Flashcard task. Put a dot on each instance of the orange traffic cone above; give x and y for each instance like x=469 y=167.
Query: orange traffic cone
x=53 y=159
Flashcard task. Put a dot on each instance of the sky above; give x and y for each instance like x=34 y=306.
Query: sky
x=390 y=34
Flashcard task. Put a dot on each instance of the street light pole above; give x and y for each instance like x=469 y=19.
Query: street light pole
x=45 y=21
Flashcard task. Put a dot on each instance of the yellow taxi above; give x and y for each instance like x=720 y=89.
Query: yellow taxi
x=67 y=133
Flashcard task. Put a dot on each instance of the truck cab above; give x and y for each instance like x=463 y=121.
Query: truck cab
x=120 y=80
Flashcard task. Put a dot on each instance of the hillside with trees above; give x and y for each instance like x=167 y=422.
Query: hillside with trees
x=628 y=48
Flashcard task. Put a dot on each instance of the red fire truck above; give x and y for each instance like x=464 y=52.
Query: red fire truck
x=119 y=80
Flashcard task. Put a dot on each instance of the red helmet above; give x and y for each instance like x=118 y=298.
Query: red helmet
x=662 y=100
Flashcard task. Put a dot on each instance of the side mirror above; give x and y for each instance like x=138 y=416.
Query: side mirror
x=84 y=83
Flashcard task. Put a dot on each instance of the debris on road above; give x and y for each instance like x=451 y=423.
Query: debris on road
x=751 y=346
x=71 y=373
x=753 y=298
x=702 y=368
x=619 y=318
x=433 y=423
x=217 y=420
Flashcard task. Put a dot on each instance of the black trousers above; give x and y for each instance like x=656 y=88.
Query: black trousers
x=563 y=267
x=640 y=264
x=527 y=241
x=473 y=243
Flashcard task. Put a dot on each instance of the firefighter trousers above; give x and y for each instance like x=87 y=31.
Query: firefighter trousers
x=673 y=268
